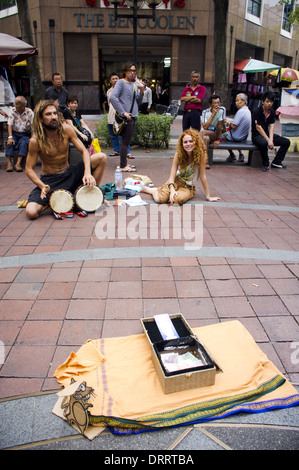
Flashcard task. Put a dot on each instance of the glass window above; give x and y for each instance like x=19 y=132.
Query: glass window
x=286 y=24
x=4 y=4
x=254 y=7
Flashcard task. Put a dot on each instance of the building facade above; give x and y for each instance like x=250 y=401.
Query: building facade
x=82 y=40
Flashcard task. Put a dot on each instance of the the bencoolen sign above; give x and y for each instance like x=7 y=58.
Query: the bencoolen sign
x=97 y=20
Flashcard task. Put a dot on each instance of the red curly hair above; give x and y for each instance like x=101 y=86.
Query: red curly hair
x=199 y=150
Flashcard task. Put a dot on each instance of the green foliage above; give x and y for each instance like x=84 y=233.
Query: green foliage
x=151 y=130
x=101 y=131
x=294 y=13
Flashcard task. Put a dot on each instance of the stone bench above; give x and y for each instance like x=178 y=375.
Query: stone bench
x=254 y=156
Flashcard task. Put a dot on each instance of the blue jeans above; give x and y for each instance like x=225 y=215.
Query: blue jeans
x=21 y=144
x=115 y=139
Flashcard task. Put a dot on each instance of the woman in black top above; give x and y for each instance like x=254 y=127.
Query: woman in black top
x=73 y=117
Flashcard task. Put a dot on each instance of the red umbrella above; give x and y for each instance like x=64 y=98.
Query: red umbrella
x=13 y=50
x=286 y=74
x=239 y=66
x=253 y=66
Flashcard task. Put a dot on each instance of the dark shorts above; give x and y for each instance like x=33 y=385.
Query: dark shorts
x=191 y=118
x=70 y=180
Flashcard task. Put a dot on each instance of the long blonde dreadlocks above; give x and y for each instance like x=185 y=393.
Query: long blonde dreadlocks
x=38 y=128
x=199 y=150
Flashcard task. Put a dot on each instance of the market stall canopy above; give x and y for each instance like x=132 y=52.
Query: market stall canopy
x=13 y=50
x=253 y=65
x=286 y=74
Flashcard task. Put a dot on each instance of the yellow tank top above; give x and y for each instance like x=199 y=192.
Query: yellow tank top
x=187 y=174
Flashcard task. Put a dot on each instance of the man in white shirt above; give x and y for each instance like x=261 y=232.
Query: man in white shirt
x=212 y=119
x=240 y=126
x=147 y=98
x=19 y=125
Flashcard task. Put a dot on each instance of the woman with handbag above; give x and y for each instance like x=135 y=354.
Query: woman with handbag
x=125 y=98
x=73 y=117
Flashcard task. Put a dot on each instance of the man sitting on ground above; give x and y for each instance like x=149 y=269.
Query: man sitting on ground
x=50 y=142
x=240 y=126
x=263 y=136
x=19 y=132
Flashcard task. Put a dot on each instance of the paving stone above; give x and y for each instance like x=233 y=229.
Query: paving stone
x=260 y=439
x=73 y=291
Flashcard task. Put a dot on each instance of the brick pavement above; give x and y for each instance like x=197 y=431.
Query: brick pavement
x=60 y=285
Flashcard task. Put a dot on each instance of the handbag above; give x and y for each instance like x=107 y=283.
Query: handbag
x=120 y=122
x=84 y=131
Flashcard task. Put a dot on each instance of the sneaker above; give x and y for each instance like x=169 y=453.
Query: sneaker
x=231 y=158
x=241 y=158
x=278 y=165
x=265 y=168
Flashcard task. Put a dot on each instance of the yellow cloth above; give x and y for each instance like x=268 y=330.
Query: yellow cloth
x=96 y=145
x=127 y=387
x=144 y=178
x=22 y=204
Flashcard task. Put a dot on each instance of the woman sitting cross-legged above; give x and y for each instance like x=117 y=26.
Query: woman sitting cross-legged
x=189 y=163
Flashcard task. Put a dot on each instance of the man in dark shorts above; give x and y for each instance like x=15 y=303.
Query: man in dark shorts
x=50 y=142
x=192 y=97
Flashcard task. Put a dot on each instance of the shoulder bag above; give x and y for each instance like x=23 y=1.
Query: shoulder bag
x=120 y=122
x=84 y=131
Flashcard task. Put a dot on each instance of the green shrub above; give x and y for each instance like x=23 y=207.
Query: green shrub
x=101 y=131
x=151 y=130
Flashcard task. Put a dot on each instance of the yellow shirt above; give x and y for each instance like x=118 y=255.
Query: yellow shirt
x=187 y=174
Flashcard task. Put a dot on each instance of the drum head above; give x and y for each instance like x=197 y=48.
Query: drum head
x=61 y=201
x=89 y=199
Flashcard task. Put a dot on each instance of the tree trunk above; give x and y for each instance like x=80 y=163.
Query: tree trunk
x=32 y=62
x=220 y=22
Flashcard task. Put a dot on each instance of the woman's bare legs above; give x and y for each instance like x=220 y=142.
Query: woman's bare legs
x=152 y=191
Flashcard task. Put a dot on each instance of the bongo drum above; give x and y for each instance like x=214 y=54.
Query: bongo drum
x=61 y=201
x=88 y=198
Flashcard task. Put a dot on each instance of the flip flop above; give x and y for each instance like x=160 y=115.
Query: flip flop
x=128 y=170
x=114 y=154
x=130 y=156
x=9 y=169
x=19 y=169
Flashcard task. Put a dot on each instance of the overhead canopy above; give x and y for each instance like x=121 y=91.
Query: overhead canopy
x=253 y=65
x=13 y=50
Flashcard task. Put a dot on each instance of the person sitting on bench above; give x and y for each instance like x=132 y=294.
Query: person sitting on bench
x=263 y=120
x=212 y=120
x=240 y=126
x=19 y=125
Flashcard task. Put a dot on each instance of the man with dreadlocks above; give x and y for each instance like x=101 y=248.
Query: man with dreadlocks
x=189 y=164
x=50 y=142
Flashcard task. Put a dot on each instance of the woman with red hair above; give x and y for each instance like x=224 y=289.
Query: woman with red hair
x=189 y=165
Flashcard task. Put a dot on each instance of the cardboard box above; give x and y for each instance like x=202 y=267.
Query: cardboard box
x=186 y=379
